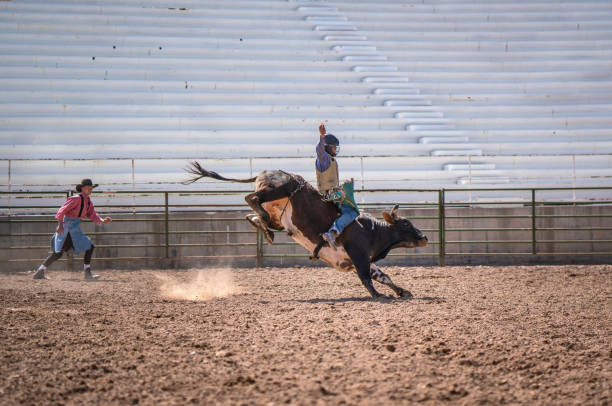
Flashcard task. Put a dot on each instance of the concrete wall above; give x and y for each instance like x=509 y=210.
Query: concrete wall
x=142 y=237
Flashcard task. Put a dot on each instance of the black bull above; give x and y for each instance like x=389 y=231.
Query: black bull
x=285 y=201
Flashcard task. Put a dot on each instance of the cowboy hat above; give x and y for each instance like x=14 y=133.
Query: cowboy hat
x=85 y=182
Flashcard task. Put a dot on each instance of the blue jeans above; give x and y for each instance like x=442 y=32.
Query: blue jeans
x=348 y=215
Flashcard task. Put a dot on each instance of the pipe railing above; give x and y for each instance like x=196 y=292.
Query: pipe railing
x=438 y=213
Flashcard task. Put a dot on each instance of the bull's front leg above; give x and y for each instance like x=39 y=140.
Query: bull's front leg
x=366 y=280
x=361 y=261
x=380 y=276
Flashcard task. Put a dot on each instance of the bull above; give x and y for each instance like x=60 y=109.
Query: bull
x=285 y=201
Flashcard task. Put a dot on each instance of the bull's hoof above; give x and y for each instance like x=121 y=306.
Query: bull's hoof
x=253 y=220
x=376 y=295
x=404 y=293
x=269 y=236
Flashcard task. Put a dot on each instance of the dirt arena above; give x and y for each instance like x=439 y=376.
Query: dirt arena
x=471 y=335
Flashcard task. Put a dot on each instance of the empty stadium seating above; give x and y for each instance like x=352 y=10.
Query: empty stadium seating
x=422 y=94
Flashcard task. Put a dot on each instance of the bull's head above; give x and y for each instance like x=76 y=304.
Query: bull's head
x=409 y=235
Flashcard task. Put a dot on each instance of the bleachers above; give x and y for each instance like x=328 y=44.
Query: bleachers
x=436 y=94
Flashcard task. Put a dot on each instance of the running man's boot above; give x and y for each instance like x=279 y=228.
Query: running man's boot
x=89 y=276
x=40 y=274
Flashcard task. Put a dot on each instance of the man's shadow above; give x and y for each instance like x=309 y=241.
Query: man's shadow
x=90 y=281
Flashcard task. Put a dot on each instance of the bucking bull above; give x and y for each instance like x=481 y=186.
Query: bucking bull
x=285 y=201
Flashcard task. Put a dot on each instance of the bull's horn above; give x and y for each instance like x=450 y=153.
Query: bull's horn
x=394 y=211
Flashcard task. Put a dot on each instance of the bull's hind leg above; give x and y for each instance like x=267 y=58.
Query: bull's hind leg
x=256 y=222
x=380 y=276
x=255 y=199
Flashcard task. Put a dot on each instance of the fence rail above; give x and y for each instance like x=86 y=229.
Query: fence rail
x=526 y=231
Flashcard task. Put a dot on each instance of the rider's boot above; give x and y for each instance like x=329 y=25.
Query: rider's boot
x=330 y=237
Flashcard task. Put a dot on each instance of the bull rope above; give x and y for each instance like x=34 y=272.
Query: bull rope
x=302 y=184
x=313 y=258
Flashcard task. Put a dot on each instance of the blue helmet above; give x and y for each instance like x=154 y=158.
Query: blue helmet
x=331 y=141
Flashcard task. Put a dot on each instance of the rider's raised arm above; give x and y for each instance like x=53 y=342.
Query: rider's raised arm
x=323 y=160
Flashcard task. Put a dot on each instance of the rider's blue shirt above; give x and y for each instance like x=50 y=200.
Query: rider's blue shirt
x=323 y=159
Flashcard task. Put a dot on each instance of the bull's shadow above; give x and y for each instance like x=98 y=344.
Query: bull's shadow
x=381 y=299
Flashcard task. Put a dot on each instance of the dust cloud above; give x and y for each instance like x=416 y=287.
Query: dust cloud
x=199 y=285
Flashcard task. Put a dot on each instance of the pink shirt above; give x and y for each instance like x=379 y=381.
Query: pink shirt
x=72 y=206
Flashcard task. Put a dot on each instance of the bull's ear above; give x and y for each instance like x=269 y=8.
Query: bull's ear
x=388 y=217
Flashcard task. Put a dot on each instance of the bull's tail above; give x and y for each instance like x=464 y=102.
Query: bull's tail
x=199 y=173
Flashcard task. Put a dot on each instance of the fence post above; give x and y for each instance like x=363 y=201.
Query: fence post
x=441 y=230
x=68 y=256
x=259 y=248
x=9 y=186
x=533 y=222
x=166 y=222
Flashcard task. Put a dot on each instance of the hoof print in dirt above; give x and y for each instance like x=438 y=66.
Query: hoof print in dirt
x=326 y=392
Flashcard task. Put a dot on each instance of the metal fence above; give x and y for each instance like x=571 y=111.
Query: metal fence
x=440 y=214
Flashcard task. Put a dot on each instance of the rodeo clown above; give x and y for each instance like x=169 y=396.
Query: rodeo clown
x=68 y=233
x=329 y=185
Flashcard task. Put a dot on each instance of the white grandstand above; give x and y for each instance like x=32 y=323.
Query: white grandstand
x=422 y=94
